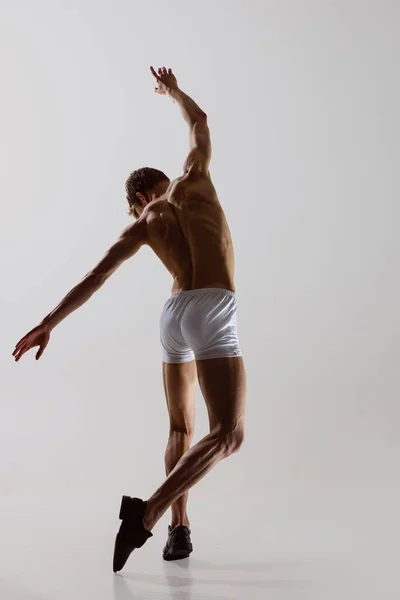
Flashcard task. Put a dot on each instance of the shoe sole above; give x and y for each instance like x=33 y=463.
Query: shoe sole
x=177 y=555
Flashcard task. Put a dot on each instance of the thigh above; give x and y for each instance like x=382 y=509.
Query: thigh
x=223 y=385
x=179 y=385
x=174 y=347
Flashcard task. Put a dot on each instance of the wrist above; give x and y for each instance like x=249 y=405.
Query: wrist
x=48 y=323
x=174 y=92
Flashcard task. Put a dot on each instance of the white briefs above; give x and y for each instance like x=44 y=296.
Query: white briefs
x=199 y=324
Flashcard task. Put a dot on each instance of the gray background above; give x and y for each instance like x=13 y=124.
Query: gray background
x=302 y=99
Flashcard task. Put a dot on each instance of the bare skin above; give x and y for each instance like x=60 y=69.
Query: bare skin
x=184 y=224
x=179 y=384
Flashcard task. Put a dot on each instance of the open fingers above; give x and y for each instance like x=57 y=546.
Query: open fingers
x=161 y=71
x=25 y=344
x=19 y=353
x=21 y=342
x=155 y=74
x=18 y=348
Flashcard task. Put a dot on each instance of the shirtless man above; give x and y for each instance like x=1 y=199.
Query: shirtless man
x=183 y=222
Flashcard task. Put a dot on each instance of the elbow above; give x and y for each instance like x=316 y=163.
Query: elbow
x=202 y=116
x=200 y=125
x=199 y=119
x=95 y=279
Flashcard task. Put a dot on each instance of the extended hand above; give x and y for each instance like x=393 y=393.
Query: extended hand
x=166 y=80
x=39 y=336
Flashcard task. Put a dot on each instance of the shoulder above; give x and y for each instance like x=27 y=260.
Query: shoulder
x=195 y=182
x=192 y=178
x=137 y=231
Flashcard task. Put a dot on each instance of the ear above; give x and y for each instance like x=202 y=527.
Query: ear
x=142 y=198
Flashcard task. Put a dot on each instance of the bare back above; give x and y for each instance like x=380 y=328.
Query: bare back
x=188 y=231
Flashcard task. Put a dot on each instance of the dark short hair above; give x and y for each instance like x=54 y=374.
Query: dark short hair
x=141 y=180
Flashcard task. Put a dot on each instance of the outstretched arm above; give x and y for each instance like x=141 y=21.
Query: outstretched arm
x=199 y=157
x=127 y=245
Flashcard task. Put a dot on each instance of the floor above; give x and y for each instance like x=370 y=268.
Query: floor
x=57 y=545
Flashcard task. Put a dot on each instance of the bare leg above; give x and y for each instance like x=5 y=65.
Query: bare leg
x=179 y=384
x=223 y=383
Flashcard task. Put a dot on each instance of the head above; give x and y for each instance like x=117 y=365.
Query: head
x=143 y=186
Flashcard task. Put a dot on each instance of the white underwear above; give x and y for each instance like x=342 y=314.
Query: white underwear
x=199 y=324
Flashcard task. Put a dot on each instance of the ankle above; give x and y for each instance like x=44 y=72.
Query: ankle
x=148 y=519
x=178 y=522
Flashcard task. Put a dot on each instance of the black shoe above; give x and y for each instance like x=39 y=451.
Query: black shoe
x=132 y=533
x=178 y=543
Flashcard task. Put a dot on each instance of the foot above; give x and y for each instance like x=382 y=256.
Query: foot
x=178 y=544
x=132 y=533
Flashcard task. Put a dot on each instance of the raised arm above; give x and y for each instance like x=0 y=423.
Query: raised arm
x=128 y=244
x=199 y=157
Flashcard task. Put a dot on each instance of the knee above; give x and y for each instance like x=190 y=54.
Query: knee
x=231 y=441
x=181 y=430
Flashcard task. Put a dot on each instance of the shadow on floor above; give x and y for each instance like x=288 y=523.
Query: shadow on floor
x=187 y=573
x=124 y=591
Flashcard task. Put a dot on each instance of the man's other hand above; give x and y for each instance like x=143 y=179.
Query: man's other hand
x=166 y=80
x=39 y=336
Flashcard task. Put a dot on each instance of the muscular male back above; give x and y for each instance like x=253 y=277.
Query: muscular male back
x=188 y=231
